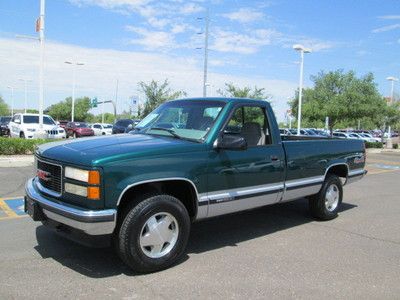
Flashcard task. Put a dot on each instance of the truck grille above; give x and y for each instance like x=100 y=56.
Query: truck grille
x=52 y=132
x=49 y=176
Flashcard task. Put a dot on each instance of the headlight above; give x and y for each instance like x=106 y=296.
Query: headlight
x=91 y=178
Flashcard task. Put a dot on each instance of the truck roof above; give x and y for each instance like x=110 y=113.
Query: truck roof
x=223 y=99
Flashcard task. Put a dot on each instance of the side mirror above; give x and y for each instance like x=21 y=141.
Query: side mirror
x=129 y=128
x=231 y=142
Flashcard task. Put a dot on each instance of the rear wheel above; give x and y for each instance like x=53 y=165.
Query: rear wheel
x=22 y=135
x=153 y=234
x=325 y=205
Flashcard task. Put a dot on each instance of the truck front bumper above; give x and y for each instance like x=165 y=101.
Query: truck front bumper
x=90 y=222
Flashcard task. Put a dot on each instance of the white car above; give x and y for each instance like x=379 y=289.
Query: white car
x=26 y=126
x=370 y=138
x=344 y=135
x=101 y=128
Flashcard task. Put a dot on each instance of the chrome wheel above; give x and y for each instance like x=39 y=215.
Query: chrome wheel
x=332 y=197
x=159 y=235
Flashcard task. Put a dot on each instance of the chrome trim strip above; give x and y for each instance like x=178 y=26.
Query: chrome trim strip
x=92 y=222
x=336 y=164
x=246 y=191
x=299 y=182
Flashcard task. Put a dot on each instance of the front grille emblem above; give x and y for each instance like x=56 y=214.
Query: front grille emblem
x=45 y=176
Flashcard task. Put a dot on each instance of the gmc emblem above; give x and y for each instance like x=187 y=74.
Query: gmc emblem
x=45 y=176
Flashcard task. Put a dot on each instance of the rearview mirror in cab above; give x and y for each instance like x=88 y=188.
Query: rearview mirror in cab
x=231 y=142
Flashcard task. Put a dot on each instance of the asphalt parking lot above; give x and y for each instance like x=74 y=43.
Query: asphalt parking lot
x=272 y=252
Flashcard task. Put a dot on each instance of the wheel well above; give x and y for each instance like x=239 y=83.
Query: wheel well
x=183 y=190
x=338 y=170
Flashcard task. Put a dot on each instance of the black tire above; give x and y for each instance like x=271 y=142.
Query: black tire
x=22 y=135
x=133 y=224
x=318 y=207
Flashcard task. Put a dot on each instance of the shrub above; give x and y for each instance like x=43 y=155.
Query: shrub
x=395 y=146
x=12 y=146
x=373 y=145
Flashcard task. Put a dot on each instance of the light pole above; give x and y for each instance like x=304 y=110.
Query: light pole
x=302 y=50
x=74 y=64
x=12 y=99
x=205 y=67
x=25 y=92
x=392 y=79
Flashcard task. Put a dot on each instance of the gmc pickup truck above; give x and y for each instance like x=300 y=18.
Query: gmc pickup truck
x=188 y=160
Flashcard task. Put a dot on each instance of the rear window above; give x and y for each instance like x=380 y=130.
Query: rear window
x=124 y=123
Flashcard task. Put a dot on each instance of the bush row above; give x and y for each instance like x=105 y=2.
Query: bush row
x=11 y=146
x=373 y=145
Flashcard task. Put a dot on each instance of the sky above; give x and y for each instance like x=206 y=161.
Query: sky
x=250 y=44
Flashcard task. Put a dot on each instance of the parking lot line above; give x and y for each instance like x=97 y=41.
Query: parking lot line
x=8 y=211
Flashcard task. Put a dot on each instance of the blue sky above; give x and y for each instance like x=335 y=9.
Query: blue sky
x=250 y=44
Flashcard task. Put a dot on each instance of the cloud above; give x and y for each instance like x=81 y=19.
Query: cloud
x=386 y=28
x=244 y=15
x=160 y=40
x=191 y=8
x=249 y=43
x=97 y=78
x=390 y=17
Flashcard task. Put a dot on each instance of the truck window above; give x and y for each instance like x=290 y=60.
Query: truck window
x=250 y=122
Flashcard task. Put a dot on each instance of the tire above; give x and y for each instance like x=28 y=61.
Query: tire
x=141 y=250
x=325 y=205
x=22 y=135
x=103 y=133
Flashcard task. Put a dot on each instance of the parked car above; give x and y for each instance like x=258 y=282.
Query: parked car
x=101 y=129
x=27 y=126
x=63 y=123
x=284 y=131
x=343 y=135
x=4 y=123
x=78 y=129
x=370 y=138
x=124 y=126
x=143 y=191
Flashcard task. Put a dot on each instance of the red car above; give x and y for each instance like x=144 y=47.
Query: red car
x=78 y=129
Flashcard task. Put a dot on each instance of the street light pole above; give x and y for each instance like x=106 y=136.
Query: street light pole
x=392 y=79
x=206 y=34
x=12 y=99
x=74 y=64
x=25 y=92
x=41 y=69
x=302 y=50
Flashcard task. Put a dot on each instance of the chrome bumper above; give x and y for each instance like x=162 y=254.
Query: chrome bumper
x=92 y=222
x=355 y=175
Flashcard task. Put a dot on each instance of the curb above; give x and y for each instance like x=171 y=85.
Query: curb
x=378 y=151
x=10 y=161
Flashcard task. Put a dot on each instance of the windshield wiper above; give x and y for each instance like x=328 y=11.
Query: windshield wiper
x=172 y=132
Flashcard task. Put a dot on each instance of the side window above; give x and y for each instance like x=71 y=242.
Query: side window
x=251 y=123
x=97 y=126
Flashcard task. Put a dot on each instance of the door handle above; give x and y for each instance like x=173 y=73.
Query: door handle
x=274 y=158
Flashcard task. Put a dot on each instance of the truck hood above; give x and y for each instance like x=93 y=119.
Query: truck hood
x=95 y=151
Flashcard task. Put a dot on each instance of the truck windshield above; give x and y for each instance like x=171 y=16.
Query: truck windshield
x=186 y=119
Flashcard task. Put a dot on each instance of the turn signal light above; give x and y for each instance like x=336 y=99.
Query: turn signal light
x=93 y=192
x=94 y=177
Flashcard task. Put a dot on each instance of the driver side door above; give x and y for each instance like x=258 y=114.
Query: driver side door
x=245 y=179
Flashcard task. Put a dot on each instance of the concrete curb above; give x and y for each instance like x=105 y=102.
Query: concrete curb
x=11 y=161
x=378 y=151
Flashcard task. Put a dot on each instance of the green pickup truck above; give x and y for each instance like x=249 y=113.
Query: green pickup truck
x=188 y=160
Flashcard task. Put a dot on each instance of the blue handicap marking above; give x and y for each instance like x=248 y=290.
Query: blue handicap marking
x=389 y=167
x=17 y=205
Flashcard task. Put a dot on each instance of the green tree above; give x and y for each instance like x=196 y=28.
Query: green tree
x=157 y=94
x=4 y=109
x=246 y=92
x=343 y=97
x=62 y=110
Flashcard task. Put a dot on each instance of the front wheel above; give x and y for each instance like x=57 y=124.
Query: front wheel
x=325 y=205
x=154 y=234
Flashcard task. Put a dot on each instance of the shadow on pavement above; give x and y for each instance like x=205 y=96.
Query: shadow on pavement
x=205 y=236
